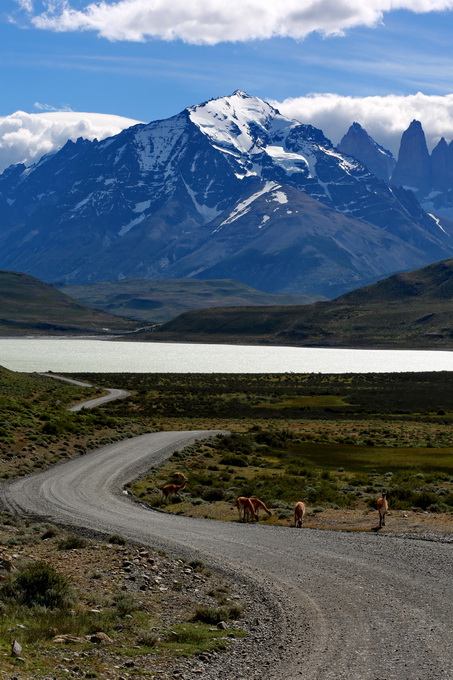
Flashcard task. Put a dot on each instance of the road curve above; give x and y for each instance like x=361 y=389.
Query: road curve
x=353 y=605
x=112 y=393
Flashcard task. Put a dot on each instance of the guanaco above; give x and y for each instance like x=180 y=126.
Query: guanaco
x=172 y=489
x=257 y=504
x=382 y=506
x=180 y=476
x=245 y=509
x=299 y=512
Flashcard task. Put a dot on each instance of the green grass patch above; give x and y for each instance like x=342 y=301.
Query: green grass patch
x=303 y=402
x=359 y=458
x=189 y=639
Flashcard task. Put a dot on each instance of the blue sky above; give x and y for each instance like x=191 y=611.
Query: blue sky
x=118 y=58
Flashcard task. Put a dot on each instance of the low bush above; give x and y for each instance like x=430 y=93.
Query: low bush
x=234 y=461
x=213 y=615
x=215 y=493
x=147 y=638
x=125 y=604
x=71 y=542
x=39 y=584
x=117 y=539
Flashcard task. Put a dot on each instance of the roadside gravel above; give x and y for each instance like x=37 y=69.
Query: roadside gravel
x=321 y=605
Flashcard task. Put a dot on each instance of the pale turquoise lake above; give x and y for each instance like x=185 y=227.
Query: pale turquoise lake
x=101 y=356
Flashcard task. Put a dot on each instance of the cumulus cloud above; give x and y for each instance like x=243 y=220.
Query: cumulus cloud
x=212 y=21
x=384 y=117
x=25 y=137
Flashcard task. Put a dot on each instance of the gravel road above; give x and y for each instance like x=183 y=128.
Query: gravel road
x=329 y=605
x=112 y=393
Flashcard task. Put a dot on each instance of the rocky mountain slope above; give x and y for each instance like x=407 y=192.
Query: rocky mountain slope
x=410 y=310
x=226 y=189
x=428 y=175
x=358 y=143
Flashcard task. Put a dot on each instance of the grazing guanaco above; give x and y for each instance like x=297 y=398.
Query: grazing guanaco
x=257 y=504
x=245 y=509
x=299 y=512
x=382 y=506
x=172 y=489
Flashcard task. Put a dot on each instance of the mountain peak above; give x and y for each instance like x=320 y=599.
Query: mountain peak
x=241 y=93
x=235 y=121
x=358 y=144
x=413 y=168
x=416 y=125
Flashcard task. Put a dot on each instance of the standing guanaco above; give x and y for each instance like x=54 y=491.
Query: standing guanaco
x=245 y=509
x=172 y=489
x=299 y=512
x=257 y=504
x=382 y=506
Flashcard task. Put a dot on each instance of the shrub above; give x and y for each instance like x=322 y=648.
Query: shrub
x=39 y=584
x=125 y=604
x=239 y=443
x=276 y=439
x=117 y=539
x=231 y=459
x=147 y=638
x=213 y=494
x=71 y=542
x=51 y=532
x=213 y=615
x=197 y=564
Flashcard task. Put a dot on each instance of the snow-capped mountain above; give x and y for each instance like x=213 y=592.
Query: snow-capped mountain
x=226 y=188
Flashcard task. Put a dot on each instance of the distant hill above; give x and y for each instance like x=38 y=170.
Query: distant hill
x=162 y=300
x=411 y=310
x=29 y=306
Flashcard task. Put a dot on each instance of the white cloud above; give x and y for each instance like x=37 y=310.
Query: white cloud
x=48 y=107
x=27 y=5
x=212 y=21
x=384 y=117
x=25 y=137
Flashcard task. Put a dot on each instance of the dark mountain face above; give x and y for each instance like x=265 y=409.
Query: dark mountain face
x=229 y=188
x=413 y=168
x=358 y=144
x=428 y=177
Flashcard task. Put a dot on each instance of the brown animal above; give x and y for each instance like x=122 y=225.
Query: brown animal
x=299 y=512
x=172 y=489
x=180 y=476
x=382 y=506
x=257 y=504
x=245 y=509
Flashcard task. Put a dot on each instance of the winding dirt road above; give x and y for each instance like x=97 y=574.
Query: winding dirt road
x=112 y=393
x=351 y=605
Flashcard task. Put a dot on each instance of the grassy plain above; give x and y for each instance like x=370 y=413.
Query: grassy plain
x=334 y=440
